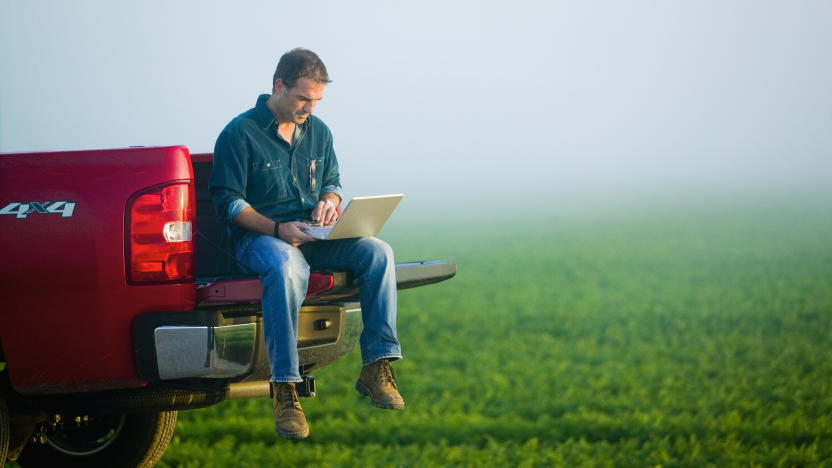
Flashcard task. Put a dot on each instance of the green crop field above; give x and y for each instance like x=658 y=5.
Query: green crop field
x=641 y=337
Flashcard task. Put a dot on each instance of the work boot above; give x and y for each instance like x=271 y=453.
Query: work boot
x=377 y=381
x=289 y=421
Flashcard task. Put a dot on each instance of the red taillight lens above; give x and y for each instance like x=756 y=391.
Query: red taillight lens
x=160 y=227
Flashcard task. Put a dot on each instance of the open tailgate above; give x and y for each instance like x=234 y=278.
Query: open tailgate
x=324 y=286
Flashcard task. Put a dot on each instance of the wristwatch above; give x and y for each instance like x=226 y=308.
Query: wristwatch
x=276 y=228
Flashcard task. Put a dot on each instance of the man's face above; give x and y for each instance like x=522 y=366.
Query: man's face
x=295 y=104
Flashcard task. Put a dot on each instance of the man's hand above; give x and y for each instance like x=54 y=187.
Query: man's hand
x=292 y=233
x=325 y=213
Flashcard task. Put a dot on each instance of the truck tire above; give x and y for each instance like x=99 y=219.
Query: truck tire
x=5 y=430
x=124 y=440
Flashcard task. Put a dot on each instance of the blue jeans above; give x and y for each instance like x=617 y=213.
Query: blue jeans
x=284 y=273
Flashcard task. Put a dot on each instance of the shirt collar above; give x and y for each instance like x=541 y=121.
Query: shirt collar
x=262 y=114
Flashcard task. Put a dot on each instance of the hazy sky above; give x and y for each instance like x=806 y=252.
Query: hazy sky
x=477 y=101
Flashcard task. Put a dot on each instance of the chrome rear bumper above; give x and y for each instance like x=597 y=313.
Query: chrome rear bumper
x=227 y=342
x=221 y=351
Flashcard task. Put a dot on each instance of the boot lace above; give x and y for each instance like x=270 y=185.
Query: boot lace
x=287 y=397
x=386 y=374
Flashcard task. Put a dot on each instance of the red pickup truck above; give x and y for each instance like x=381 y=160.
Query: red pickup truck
x=124 y=305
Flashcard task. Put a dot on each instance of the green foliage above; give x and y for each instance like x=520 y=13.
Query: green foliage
x=652 y=338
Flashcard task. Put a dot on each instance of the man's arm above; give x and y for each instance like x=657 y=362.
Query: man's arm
x=291 y=232
x=326 y=210
x=229 y=176
x=228 y=182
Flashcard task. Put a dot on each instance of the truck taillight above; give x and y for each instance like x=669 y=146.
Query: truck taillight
x=159 y=237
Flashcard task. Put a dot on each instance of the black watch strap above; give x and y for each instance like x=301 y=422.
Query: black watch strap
x=276 y=227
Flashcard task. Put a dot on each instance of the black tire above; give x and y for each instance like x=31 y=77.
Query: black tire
x=123 y=440
x=5 y=430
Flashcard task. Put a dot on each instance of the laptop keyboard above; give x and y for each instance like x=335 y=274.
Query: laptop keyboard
x=319 y=232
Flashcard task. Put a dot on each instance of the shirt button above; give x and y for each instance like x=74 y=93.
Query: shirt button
x=268 y=164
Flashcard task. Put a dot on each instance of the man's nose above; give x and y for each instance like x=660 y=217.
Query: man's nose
x=309 y=107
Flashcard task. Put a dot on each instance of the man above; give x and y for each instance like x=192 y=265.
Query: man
x=274 y=167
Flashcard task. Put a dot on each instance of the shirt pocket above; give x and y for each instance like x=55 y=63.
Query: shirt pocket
x=270 y=179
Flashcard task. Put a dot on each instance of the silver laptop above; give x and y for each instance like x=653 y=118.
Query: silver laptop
x=363 y=217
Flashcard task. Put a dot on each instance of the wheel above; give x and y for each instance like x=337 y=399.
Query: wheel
x=5 y=430
x=124 y=440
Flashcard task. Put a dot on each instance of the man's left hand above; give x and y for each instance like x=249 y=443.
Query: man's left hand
x=324 y=213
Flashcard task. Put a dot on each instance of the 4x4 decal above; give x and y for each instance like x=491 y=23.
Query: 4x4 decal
x=21 y=210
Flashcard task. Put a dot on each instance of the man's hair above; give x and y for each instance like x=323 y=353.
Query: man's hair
x=300 y=63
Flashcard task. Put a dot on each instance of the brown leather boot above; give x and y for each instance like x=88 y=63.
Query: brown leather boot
x=377 y=381
x=289 y=421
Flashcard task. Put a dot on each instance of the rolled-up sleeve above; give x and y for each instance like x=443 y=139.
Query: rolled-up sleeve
x=229 y=176
x=234 y=208
x=331 y=177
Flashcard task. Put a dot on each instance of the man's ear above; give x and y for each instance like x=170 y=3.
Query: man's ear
x=278 y=86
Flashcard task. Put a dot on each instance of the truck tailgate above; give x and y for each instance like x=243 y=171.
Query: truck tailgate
x=323 y=286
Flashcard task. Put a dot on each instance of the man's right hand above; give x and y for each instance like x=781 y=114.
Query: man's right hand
x=292 y=233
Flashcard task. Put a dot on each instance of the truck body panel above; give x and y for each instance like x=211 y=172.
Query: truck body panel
x=63 y=275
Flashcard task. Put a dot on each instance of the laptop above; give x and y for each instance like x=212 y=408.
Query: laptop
x=363 y=217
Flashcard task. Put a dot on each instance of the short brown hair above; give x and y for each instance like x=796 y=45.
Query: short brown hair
x=300 y=63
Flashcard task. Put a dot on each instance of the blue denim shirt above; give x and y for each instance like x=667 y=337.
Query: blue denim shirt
x=254 y=166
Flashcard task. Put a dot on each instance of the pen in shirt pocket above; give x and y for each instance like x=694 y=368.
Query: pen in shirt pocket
x=312 y=176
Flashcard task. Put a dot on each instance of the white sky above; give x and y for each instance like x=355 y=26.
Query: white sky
x=474 y=101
